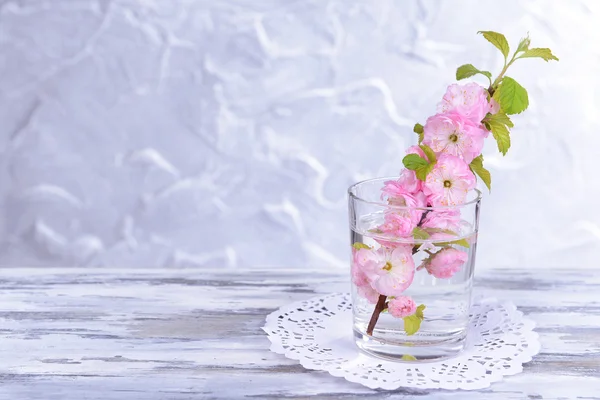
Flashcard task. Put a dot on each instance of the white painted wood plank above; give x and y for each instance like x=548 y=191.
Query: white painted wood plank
x=131 y=334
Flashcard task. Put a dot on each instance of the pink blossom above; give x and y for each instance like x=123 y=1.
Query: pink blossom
x=382 y=271
x=445 y=263
x=359 y=278
x=364 y=260
x=406 y=183
x=368 y=293
x=447 y=219
x=449 y=181
x=408 y=180
x=400 y=222
x=397 y=224
x=494 y=107
x=402 y=306
x=470 y=101
x=410 y=200
x=454 y=134
x=392 y=189
x=395 y=270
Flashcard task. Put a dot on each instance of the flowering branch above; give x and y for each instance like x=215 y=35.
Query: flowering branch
x=439 y=172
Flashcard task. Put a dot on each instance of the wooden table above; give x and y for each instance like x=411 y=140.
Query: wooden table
x=195 y=334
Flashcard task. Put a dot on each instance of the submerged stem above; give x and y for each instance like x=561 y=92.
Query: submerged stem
x=379 y=307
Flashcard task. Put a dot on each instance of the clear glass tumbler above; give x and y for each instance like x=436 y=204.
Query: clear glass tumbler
x=426 y=276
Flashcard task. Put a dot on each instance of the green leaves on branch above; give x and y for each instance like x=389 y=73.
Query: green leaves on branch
x=543 y=53
x=514 y=99
x=412 y=323
x=511 y=96
x=468 y=70
x=420 y=165
x=483 y=174
x=431 y=231
x=423 y=172
x=498 y=40
x=420 y=233
x=414 y=162
x=460 y=242
x=429 y=153
x=499 y=124
x=439 y=230
x=523 y=44
x=502 y=136
x=500 y=117
x=359 y=245
x=537 y=52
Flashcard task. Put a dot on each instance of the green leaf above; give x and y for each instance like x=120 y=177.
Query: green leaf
x=414 y=161
x=408 y=357
x=420 y=233
x=459 y=242
x=500 y=117
x=498 y=124
x=412 y=323
x=462 y=242
x=468 y=70
x=498 y=40
x=359 y=245
x=524 y=44
x=477 y=168
x=422 y=172
x=429 y=153
x=501 y=134
x=543 y=53
x=512 y=97
x=439 y=230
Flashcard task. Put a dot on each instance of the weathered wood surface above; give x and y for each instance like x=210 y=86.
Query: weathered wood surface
x=195 y=334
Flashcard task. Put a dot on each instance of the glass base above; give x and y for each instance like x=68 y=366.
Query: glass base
x=423 y=349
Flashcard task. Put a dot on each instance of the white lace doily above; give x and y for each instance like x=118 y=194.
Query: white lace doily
x=318 y=333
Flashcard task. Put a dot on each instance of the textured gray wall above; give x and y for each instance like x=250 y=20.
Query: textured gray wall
x=144 y=133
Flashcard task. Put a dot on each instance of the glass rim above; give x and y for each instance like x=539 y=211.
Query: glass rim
x=352 y=195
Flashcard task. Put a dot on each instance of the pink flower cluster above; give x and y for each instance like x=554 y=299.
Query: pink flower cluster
x=445 y=263
x=456 y=135
x=388 y=272
x=402 y=306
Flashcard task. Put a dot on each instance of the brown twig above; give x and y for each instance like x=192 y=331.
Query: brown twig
x=375 y=316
